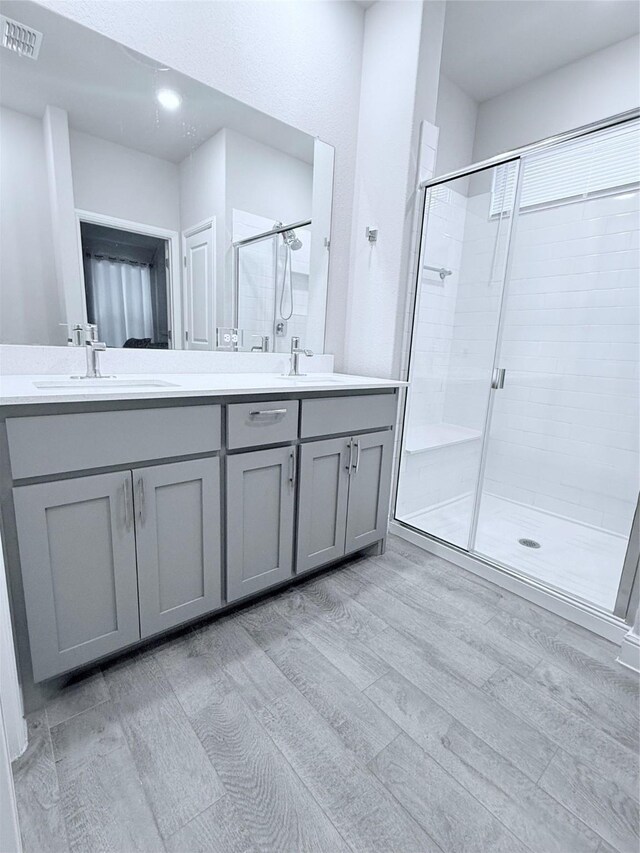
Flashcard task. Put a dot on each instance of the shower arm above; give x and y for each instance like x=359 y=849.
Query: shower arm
x=443 y=272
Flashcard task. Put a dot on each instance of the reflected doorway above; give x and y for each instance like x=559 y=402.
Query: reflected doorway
x=127 y=286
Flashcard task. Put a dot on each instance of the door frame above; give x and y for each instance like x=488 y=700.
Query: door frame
x=202 y=225
x=174 y=293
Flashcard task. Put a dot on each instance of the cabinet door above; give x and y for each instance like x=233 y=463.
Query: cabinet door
x=177 y=510
x=370 y=482
x=78 y=558
x=260 y=510
x=322 y=502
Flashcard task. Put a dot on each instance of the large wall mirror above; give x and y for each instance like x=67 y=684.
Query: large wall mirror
x=139 y=199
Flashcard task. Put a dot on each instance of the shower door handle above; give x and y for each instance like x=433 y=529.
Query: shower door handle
x=497 y=380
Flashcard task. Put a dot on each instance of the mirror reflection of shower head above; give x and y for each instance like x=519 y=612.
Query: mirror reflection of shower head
x=290 y=239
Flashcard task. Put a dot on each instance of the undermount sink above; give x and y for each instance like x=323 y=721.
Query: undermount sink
x=103 y=383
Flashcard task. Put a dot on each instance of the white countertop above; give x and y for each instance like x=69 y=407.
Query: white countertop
x=23 y=390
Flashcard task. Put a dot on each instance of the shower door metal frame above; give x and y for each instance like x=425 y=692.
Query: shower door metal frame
x=486 y=430
x=630 y=576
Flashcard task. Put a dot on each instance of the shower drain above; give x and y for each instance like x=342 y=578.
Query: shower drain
x=529 y=543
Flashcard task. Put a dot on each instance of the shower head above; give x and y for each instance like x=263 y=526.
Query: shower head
x=290 y=240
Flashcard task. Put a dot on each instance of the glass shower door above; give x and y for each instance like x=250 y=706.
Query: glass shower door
x=560 y=473
x=463 y=254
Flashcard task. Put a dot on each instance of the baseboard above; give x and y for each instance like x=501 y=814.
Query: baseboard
x=629 y=655
x=605 y=625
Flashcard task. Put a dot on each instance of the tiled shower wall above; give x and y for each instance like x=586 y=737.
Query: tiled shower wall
x=436 y=306
x=433 y=476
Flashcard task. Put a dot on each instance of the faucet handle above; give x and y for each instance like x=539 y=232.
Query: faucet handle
x=97 y=346
x=79 y=334
x=308 y=352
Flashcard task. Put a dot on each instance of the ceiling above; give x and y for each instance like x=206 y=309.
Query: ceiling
x=109 y=92
x=491 y=46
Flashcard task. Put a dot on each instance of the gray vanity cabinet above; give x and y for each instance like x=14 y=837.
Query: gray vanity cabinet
x=260 y=518
x=78 y=556
x=322 y=502
x=343 y=498
x=369 y=487
x=177 y=521
x=108 y=559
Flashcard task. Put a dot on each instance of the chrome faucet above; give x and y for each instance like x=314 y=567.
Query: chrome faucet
x=93 y=365
x=264 y=344
x=87 y=334
x=296 y=352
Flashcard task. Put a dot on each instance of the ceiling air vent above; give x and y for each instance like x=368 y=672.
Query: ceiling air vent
x=20 y=39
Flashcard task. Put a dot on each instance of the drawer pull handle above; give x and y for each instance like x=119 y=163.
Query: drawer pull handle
x=263 y=412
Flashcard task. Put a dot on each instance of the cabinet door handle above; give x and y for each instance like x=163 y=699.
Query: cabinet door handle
x=350 y=462
x=357 y=465
x=265 y=412
x=292 y=467
x=141 y=500
x=128 y=504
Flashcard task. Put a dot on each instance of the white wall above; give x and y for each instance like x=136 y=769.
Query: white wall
x=300 y=62
x=456 y=116
x=202 y=182
x=118 y=181
x=265 y=181
x=202 y=177
x=30 y=309
x=600 y=85
x=385 y=135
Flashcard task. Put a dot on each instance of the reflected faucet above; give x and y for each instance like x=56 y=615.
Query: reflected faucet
x=87 y=334
x=296 y=352
x=264 y=344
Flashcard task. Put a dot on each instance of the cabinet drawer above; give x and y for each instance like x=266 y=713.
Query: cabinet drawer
x=52 y=444
x=334 y=415
x=253 y=424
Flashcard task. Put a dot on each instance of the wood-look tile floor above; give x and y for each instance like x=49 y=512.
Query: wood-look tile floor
x=395 y=703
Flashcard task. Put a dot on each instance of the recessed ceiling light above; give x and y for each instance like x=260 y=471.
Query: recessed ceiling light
x=169 y=99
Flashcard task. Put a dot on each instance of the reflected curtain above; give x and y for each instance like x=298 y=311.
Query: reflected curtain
x=120 y=300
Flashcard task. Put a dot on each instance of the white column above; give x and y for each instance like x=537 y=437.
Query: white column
x=322 y=195
x=66 y=249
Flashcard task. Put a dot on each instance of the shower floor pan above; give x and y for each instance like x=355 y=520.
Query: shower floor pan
x=576 y=558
